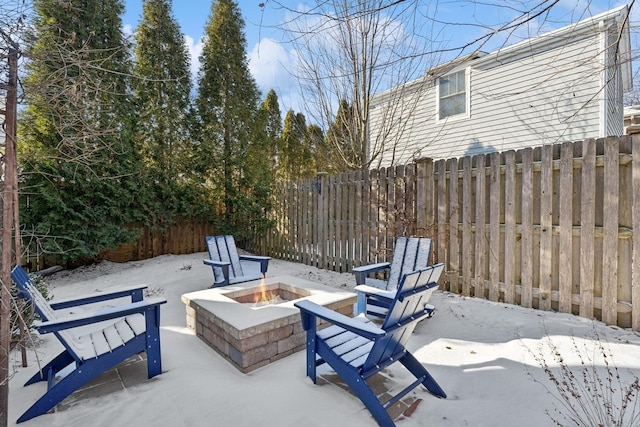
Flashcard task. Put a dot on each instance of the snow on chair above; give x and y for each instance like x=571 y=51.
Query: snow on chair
x=375 y=295
x=229 y=267
x=356 y=348
x=124 y=330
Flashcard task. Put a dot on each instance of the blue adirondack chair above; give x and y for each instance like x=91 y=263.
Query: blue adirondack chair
x=356 y=348
x=229 y=267
x=375 y=295
x=124 y=331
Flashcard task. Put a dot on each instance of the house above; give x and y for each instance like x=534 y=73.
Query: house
x=632 y=120
x=565 y=85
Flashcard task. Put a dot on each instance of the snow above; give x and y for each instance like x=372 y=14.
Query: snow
x=488 y=357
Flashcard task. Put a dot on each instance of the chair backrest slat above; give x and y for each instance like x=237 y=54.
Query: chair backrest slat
x=223 y=248
x=409 y=254
x=413 y=293
x=29 y=292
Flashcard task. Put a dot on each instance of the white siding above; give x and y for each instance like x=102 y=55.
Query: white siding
x=613 y=95
x=541 y=98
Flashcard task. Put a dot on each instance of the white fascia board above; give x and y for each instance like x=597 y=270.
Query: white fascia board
x=585 y=28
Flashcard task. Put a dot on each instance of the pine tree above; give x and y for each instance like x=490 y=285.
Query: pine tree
x=227 y=104
x=270 y=114
x=297 y=158
x=76 y=154
x=261 y=159
x=322 y=158
x=344 y=137
x=162 y=87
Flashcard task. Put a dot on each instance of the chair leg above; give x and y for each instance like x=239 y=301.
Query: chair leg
x=61 y=361
x=367 y=396
x=311 y=352
x=361 y=304
x=416 y=368
x=356 y=383
x=152 y=346
x=62 y=389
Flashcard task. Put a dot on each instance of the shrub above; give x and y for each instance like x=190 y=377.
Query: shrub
x=26 y=311
x=592 y=394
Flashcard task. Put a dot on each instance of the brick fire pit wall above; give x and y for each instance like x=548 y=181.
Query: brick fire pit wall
x=251 y=337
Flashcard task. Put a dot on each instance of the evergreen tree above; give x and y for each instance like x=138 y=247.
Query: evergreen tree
x=343 y=136
x=162 y=87
x=76 y=153
x=227 y=104
x=297 y=158
x=261 y=158
x=270 y=114
x=323 y=160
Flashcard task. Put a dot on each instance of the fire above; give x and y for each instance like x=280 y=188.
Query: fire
x=263 y=296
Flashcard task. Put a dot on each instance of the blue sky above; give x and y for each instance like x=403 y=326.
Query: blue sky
x=268 y=60
x=271 y=61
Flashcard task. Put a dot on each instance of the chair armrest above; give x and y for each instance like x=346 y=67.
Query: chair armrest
x=362 y=271
x=89 y=318
x=311 y=310
x=255 y=257
x=263 y=260
x=135 y=291
x=224 y=265
x=370 y=290
x=213 y=263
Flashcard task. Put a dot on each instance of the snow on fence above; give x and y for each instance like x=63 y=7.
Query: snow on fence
x=550 y=227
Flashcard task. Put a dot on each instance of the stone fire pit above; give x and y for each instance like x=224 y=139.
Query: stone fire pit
x=251 y=335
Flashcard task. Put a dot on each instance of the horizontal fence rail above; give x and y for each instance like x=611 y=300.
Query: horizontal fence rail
x=550 y=227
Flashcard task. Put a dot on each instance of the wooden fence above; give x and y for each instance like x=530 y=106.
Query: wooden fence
x=550 y=227
x=185 y=237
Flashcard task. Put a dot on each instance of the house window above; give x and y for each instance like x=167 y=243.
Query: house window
x=452 y=98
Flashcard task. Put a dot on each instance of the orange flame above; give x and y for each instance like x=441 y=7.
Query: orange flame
x=263 y=296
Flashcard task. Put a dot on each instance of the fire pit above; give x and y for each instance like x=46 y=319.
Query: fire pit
x=255 y=323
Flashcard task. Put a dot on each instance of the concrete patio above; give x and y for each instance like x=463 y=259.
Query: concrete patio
x=482 y=354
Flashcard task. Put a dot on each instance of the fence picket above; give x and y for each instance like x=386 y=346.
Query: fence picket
x=546 y=227
x=467 y=236
x=480 y=234
x=610 y=238
x=510 y=228
x=587 y=239
x=494 y=228
x=454 y=231
x=526 y=241
x=443 y=221
x=565 y=257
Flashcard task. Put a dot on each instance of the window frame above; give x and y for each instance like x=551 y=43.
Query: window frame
x=467 y=91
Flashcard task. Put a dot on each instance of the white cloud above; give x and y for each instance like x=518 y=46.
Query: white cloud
x=272 y=66
x=195 y=48
x=127 y=30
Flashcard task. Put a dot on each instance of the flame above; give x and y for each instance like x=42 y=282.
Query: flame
x=263 y=296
